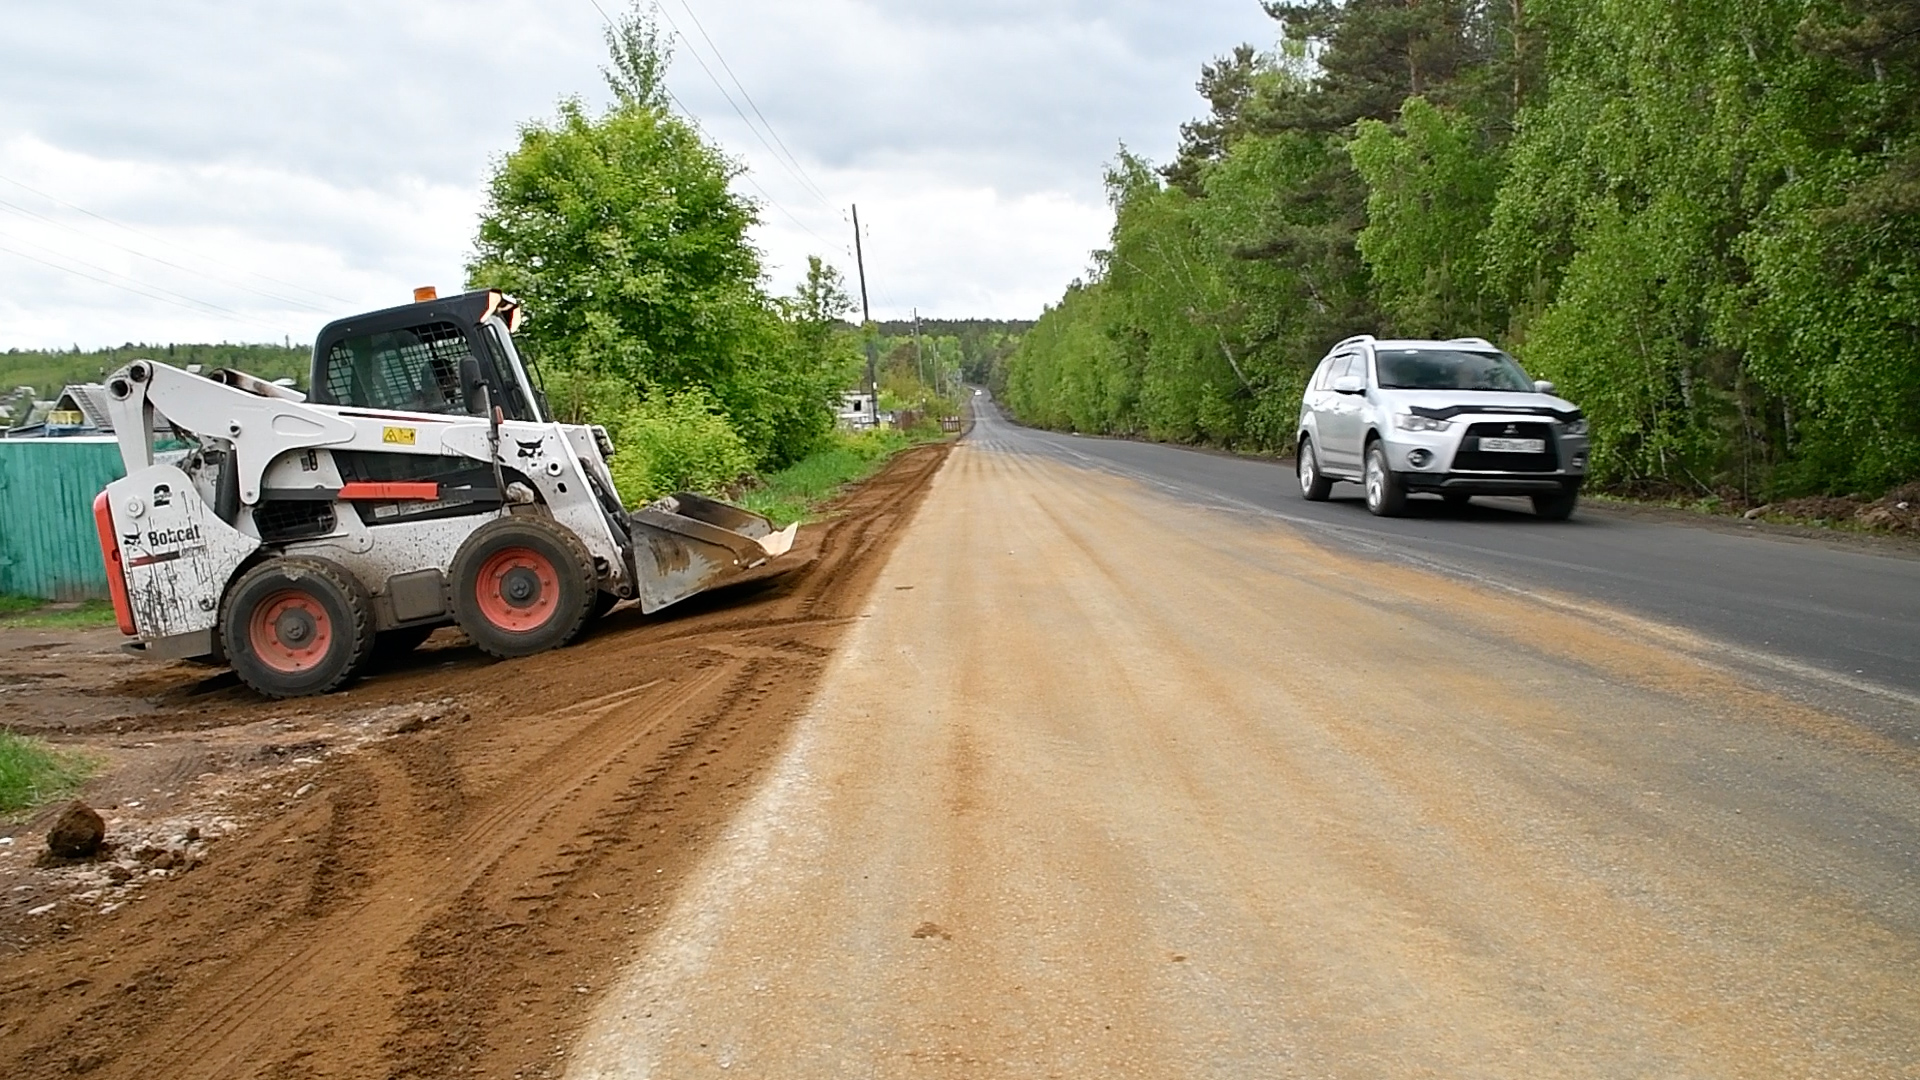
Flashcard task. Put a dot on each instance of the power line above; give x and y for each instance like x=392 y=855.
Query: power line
x=711 y=77
x=885 y=294
x=163 y=262
x=690 y=115
x=720 y=56
x=126 y=288
x=169 y=243
x=208 y=304
x=747 y=175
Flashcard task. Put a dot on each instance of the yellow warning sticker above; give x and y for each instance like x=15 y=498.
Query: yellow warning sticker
x=399 y=436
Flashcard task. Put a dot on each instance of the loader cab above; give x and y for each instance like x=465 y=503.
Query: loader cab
x=412 y=359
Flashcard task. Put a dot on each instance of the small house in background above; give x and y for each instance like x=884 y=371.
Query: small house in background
x=857 y=411
x=81 y=409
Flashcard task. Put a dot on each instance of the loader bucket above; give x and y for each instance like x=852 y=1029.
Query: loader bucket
x=685 y=544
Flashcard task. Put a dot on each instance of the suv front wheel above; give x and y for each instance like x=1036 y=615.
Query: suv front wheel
x=1557 y=506
x=1386 y=494
x=1315 y=485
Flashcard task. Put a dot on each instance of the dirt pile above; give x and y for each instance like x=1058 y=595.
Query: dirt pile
x=1898 y=511
x=430 y=874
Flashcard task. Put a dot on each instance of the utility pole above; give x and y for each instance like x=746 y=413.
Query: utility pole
x=866 y=323
x=919 y=361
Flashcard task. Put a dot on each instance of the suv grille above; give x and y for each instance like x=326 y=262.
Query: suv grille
x=1470 y=458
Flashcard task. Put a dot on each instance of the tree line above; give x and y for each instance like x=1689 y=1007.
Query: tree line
x=48 y=370
x=1701 y=219
x=945 y=354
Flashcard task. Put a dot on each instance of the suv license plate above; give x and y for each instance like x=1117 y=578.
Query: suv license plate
x=1514 y=446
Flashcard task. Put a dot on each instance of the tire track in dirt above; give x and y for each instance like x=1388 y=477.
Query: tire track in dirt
x=452 y=899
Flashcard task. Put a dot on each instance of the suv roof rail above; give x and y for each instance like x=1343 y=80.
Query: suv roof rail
x=1355 y=338
x=1471 y=341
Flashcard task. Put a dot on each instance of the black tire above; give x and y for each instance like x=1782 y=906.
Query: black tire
x=292 y=627
x=603 y=602
x=1315 y=485
x=390 y=645
x=522 y=585
x=1558 y=505
x=1386 y=492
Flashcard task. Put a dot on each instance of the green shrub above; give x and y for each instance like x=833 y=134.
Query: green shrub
x=792 y=493
x=580 y=397
x=676 y=442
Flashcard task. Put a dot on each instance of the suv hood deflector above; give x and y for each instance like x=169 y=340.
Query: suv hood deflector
x=1565 y=416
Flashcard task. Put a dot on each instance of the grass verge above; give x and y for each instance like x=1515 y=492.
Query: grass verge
x=31 y=613
x=797 y=491
x=33 y=773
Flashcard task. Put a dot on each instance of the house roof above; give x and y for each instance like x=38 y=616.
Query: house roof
x=90 y=401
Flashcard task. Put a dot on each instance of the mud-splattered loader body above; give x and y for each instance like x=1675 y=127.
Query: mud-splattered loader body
x=422 y=483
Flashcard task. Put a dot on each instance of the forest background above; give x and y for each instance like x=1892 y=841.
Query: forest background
x=1701 y=220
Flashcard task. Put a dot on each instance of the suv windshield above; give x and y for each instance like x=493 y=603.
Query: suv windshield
x=1450 y=369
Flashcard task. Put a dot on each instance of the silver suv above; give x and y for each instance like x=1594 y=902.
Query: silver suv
x=1455 y=418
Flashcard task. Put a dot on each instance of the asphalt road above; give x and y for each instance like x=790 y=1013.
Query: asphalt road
x=1798 y=605
x=1104 y=781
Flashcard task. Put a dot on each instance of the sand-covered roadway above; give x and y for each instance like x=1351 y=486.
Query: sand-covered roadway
x=1107 y=783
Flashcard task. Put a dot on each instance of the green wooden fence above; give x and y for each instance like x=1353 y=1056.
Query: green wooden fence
x=48 y=546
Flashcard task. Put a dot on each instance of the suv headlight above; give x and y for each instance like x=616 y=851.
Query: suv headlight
x=1410 y=422
x=1576 y=427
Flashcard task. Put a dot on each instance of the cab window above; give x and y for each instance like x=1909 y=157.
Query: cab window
x=416 y=369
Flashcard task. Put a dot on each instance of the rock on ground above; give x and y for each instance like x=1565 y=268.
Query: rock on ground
x=78 y=834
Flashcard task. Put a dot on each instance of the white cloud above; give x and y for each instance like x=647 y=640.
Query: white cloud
x=264 y=254
x=342 y=147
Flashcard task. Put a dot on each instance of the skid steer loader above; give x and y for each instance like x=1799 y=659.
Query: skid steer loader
x=423 y=482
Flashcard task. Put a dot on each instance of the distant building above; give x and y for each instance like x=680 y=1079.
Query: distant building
x=81 y=409
x=857 y=411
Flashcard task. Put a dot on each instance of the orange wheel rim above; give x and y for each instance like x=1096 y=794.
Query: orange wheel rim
x=518 y=589
x=290 y=632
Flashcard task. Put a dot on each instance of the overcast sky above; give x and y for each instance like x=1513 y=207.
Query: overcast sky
x=198 y=170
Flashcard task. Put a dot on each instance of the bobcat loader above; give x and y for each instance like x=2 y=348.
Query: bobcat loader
x=422 y=483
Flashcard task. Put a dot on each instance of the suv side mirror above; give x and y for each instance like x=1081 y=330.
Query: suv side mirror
x=1349 y=384
x=1542 y=386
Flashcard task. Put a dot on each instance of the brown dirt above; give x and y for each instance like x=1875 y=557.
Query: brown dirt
x=430 y=875
x=1898 y=511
